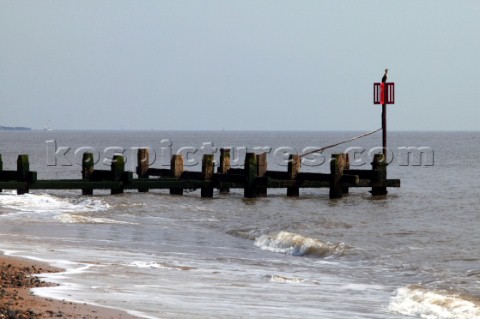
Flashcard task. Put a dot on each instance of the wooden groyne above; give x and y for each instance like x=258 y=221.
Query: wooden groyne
x=255 y=179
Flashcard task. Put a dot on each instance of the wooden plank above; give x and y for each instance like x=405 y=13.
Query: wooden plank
x=350 y=180
x=228 y=178
x=12 y=185
x=167 y=184
x=8 y=175
x=192 y=175
x=72 y=184
x=392 y=183
x=236 y=171
x=277 y=174
x=313 y=177
x=277 y=183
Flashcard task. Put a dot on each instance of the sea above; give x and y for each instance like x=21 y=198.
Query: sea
x=414 y=253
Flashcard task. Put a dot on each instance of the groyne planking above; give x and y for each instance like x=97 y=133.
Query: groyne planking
x=255 y=178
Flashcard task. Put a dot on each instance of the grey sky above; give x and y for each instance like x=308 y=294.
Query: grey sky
x=238 y=65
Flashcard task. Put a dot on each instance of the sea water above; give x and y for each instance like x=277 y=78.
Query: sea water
x=412 y=254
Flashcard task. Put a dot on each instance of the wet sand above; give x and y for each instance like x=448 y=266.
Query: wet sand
x=18 y=302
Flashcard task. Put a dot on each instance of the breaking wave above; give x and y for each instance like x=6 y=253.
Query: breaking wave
x=434 y=304
x=298 y=245
x=40 y=203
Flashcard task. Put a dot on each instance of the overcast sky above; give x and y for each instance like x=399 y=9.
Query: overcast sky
x=238 y=65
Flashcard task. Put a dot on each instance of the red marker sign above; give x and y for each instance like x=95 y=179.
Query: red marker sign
x=384 y=93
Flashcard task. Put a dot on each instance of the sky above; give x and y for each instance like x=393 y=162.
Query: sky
x=238 y=65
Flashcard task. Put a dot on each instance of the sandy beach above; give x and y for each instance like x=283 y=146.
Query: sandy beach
x=17 y=301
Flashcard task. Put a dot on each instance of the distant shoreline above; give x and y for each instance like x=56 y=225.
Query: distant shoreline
x=14 y=128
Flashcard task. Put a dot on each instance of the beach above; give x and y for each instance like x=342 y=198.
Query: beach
x=17 y=301
x=411 y=254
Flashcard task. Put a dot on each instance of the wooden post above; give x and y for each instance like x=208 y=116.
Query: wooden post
x=379 y=164
x=346 y=166
x=251 y=169
x=224 y=167
x=207 y=174
x=143 y=165
x=176 y=169
x=87 y=170
x=1 y=168
x=337 y=164
x=118 y=168
x=294 y=164
x=261 y=171
x=23 y=171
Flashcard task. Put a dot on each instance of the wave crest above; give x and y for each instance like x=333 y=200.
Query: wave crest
x=434 y=304
x=298 y=245
x=41 y=203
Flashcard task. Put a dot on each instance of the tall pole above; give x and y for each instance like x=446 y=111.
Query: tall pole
x=384 y=129
x=384 y=98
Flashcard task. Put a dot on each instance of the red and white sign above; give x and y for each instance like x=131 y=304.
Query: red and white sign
x=384 y=93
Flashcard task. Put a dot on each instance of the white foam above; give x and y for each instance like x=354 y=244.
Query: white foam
x=283 y=279
x=41 y=203
x=80 y=219
x=433 y=304
x=158 y=265
x=297 y=245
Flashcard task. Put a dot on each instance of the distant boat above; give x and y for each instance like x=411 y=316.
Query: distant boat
x=47 y=128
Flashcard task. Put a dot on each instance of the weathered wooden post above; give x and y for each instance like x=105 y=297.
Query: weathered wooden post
x=251 y=169
x=337 y=163
x=294 y=164
x=207 y=174
x=1 y=168
x=224 y=167
x=379 y=166
x=118 y=168
x=143 y=165
x=87 y=171
x=261 y=172
x=23 y=170
x=346 y=166
x=176 y=170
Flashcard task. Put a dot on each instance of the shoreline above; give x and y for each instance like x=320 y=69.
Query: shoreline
x=18 y=277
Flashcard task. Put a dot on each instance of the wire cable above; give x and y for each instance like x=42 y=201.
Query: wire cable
x=340 y=143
